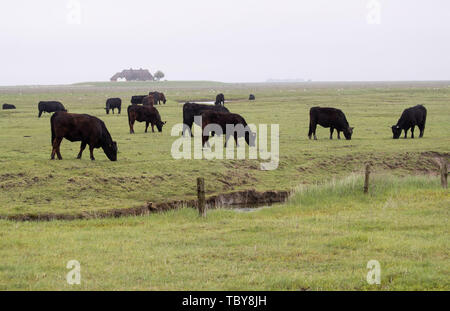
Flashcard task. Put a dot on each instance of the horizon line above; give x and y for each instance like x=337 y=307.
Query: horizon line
x=268 y=81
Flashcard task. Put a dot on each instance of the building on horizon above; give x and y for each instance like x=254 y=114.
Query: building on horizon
x=133 y=75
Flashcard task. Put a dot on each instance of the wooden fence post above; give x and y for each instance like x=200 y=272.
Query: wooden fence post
x=444 y=173
x=201 y=196
x=366 y=179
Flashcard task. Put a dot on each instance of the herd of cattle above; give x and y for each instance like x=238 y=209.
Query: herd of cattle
x=92 y=131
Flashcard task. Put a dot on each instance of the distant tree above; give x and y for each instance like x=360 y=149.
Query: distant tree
x=159 y=75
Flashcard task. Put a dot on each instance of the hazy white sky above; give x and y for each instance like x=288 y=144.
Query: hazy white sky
x=228 y=40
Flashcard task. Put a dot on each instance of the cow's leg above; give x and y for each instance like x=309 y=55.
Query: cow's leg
x=131 y=127
x=422 y=129
x=339 y=134
x=113 y=110
x=83 y=145
x=153 y=128
x=412 y=131
x=227 y=136
x=146 y=126
x=314 y=127
x=185 y=128
x=58 y=152
x=331 y=132
x=236 y=139
x=406 y=131
x=56 y=144
x=55 y=147
x=205 y=140
x=91 y=150
x=310 y=130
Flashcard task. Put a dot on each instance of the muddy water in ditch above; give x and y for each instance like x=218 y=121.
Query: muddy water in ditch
x=248 y=209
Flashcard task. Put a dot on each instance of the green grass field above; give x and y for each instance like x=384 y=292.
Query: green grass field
x=321 y=239
x=145 y=170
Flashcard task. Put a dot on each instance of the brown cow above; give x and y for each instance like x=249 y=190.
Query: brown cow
x=149 y=100
x=158 y=97
x=147 y=114
x=81 y=127
x=222 y=119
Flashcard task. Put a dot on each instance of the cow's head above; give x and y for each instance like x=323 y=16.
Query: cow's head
x=348 y=133
x=107 y=110
x=160 y=124
x=396 y=131
x=163 y=97
x=110 y=150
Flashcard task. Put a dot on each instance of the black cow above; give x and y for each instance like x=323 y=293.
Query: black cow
x=220 y=99
x=147 y=114
x=113 y=103
x=190 y=110
x=411 y=117
x=222 y=119
x=81 y=127
x=329 y=117
x=50 y=106
x=8 y=106
x=137 y=99
x=251 y=97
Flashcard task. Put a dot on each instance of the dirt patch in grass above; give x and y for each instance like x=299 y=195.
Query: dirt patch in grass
x=8 y=181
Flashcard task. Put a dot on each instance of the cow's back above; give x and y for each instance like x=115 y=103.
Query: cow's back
x=190 y=110
x=413 y=115
x=51 y=106
x=137 y=99
x=75 y=127
x=8 y=106
x=327 y=117
x=113 y=102
x=222 y=118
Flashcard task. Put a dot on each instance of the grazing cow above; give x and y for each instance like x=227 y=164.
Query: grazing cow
x=158 y=97
x=50 y=106
x=162 y=98
x=149 y=101
x=113 y=103
x=190 y=110
x=8 y=106
x=220 y=99
x=329 y=117
x=81 y=127
x=137 y=99
x=251 y=97
x=411 y=117
x=147 y=114
x=224 y=118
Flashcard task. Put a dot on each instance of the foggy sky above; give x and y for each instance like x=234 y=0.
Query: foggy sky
x=230 y=41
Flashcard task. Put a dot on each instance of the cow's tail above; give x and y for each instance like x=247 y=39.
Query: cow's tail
x=128 y=112
x=311 y=122
x=424 y=116
x=52 y=126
